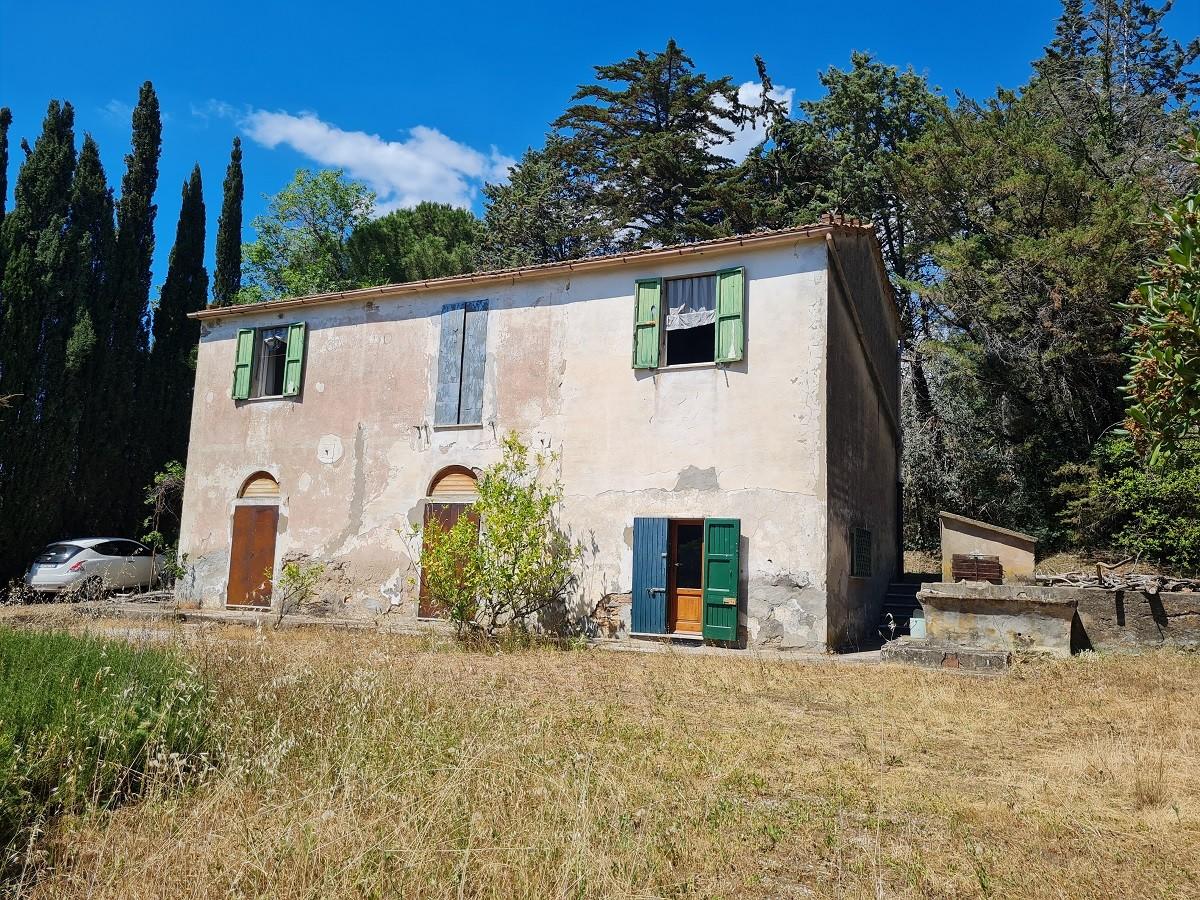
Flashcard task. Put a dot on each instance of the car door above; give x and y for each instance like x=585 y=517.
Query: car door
x=122 y=566
x=108 y=563
x=143 y=564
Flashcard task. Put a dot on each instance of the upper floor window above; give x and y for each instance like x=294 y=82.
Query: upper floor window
x=462 y=355
x=269 y=361
x=695 y=319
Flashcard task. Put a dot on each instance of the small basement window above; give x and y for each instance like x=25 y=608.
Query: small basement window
x=860 y=553
x=690 y=322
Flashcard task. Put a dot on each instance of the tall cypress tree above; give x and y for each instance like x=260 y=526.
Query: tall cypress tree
x=92 y=239
x=227 y=278
x=172 y=358
x=33 y=340
x=121 y=463
x=5 y=121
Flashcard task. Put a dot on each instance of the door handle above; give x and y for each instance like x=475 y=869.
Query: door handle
x=653 y=591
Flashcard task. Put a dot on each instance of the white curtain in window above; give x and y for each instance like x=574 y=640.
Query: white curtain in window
x=691 y=301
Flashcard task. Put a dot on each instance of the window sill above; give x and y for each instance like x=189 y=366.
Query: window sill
x=465 y=426
x=684 y=367
x=269 y=397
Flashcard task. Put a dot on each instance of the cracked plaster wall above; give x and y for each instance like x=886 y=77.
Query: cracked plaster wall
x=355 y=453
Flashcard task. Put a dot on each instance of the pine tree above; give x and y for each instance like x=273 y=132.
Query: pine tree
x=112 y=425
x=647 y=145
x=33 y=342
x=227 y=278
x=428 y=241
x=172 y=366
x=546 y=212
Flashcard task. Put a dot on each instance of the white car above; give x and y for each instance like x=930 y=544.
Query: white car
x=93 y=566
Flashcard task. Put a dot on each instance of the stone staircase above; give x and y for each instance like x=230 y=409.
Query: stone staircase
x=898 y=605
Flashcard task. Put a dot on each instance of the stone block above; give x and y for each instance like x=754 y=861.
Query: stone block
x=1011 y=618
x=930 y=655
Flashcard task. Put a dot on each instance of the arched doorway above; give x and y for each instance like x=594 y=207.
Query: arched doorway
x=252 y=546
x=451 y=495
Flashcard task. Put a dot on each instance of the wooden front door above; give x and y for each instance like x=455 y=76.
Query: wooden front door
x=685 y=577
x=445 y=514
x=252 y=556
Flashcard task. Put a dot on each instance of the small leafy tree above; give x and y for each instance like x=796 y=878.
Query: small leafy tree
x=1163 y=385
x=164 y=495
x=508 y=561
x=303 y=237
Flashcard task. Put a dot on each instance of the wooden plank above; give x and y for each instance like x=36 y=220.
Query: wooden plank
x=969 y=567
x=474 y=363
x=649 y=612
x=450 y=356
x=252 y=555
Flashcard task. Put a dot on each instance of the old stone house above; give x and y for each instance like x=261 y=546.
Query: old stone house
x=726 y=415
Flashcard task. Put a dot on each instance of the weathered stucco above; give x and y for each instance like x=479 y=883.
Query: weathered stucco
x=863 y=417
x=970 y=537
x=354 y=454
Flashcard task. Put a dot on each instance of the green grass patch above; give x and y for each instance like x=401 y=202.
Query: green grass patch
x=87 y=723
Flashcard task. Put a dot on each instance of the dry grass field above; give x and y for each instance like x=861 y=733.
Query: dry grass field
x=360 y=765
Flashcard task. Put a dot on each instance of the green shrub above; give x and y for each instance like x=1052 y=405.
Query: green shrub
x=1119 y=502
x=508 y=562
x=88 y=723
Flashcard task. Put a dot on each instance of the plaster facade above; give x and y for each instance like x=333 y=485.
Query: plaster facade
x=355 y=452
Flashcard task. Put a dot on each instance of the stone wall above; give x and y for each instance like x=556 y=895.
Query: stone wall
x=1111 y=621
x=979 y=615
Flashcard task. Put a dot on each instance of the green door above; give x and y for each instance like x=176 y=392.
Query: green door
x=721 y=568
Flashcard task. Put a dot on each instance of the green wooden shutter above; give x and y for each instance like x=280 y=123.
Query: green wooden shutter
x=646 y=318
x=721 y=567
x=243 y=362
x=731 y=303
x=293 y=366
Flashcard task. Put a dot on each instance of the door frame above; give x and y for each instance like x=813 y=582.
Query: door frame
x=240 y=503
x=672 y=569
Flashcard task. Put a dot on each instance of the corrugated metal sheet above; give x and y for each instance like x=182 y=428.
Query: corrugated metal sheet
x=649 y=613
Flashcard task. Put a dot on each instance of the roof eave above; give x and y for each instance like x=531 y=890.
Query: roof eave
x=587 y=264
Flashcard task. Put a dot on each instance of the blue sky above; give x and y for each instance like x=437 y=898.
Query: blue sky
x=425 y=101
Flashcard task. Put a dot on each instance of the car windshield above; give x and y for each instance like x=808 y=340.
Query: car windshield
x=56 y=554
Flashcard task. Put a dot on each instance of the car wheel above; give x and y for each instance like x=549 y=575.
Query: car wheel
x=91 y=589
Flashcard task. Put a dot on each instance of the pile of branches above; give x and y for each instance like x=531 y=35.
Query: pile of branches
x=1106 y=578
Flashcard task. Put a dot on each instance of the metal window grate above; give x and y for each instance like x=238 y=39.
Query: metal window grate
x=860 y=553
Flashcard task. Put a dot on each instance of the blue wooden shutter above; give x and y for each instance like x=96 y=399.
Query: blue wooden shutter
x=293 y=366
x=649 y=613
x=243 y=362
x=450 y=355
x=721 y=572
x=474 y=358
x=731 y=302
x=647 y=313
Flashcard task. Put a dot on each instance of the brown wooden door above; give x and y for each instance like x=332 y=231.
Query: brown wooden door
x=446 y=514
x=252 y=556
x=685 y=577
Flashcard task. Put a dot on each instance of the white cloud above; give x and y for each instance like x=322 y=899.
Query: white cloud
x=427 y=166
x=213 y=109
x=745 y=139
x=117 y=111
